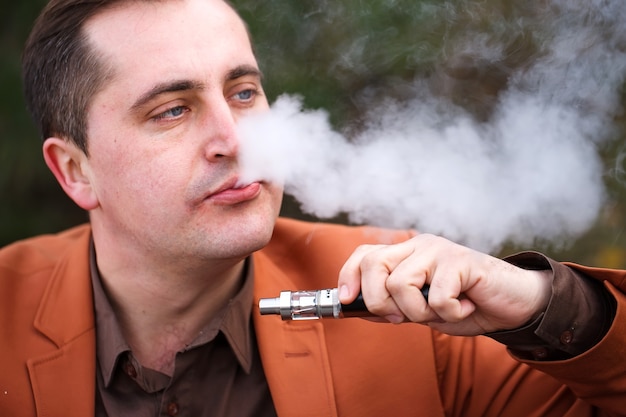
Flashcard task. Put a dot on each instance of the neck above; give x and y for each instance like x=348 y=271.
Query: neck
x=162 y=310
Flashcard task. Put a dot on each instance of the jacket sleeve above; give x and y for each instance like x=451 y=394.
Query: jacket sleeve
x=598 y=376
x=478 y=378
x=579 y=314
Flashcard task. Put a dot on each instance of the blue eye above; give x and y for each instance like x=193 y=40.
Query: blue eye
x=245 y=95
x=173 y=113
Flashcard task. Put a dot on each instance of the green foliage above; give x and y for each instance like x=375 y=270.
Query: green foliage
x=31 y=202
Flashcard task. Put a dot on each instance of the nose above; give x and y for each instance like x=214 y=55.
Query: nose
x=220 y=132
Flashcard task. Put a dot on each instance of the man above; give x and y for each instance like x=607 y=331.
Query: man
x=149 y=309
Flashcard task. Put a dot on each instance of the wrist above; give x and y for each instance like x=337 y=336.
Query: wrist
x=543 y=280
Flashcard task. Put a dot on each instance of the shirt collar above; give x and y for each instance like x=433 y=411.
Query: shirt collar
x=233 y=320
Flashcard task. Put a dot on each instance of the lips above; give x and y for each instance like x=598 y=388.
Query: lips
x=233 y=192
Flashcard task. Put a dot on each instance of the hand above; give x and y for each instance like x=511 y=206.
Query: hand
x=471 y=292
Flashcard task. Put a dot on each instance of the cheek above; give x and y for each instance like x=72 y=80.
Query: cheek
x=126 y=176
x=131 y=170
x=145 y=180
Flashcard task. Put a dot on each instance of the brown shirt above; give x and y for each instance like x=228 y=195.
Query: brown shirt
x=579 y=314
x=220 y=373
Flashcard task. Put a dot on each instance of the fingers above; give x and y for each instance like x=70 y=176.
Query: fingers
x=391 y=278
x=404 y=285
x=366 y=271
x=349 y=283
x=449 y=283
x=377 y=266
x=390 y=285
x=470 y=292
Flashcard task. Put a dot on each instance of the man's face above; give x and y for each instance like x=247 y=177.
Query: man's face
x=161 y=134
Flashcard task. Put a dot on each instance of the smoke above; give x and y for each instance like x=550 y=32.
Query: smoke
x=529 y=170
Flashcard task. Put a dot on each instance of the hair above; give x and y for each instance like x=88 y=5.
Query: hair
x=61 y=71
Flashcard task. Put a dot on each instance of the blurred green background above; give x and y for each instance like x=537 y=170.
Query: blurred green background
x=330 y=52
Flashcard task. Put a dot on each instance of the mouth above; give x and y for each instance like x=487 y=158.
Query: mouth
x=235 y=192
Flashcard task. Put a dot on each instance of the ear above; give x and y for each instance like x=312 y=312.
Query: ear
x=70 y=166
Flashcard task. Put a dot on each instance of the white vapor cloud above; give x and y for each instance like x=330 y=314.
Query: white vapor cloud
x=531 y=171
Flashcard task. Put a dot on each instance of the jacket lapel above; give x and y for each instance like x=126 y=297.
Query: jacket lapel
x=294 y=355
x=63 y=379
x=296 y=359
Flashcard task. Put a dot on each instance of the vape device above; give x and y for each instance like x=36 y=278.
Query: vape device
x=315 y=304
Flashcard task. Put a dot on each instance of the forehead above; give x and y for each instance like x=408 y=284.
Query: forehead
x=141 y=40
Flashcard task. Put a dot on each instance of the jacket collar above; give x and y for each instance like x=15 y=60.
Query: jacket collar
x=63 y=380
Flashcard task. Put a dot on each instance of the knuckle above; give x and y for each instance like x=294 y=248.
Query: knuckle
x=394 y=285
x=444 y=309
x=370 y=259
x=377 y=307
x=364 y=248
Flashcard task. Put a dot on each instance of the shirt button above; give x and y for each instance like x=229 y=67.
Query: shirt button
x=567 y=337
x=540 y=353
x=172 y=408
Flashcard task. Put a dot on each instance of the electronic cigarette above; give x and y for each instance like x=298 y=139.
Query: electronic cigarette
x=316 y=304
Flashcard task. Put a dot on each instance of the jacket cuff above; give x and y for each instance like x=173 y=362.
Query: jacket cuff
x=578 y=315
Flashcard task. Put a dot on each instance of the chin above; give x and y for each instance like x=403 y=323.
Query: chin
x=237 y=238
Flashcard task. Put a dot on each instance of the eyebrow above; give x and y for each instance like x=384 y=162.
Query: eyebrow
x=166 y=87
x=186 y=85
x=242 y=71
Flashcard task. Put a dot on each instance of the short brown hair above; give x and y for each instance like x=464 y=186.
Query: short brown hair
x=60 y=72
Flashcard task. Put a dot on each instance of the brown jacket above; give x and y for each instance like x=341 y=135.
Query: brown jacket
x=319 y=368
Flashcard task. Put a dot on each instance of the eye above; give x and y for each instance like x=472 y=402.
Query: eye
x=246 y=95
x=171 y=113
